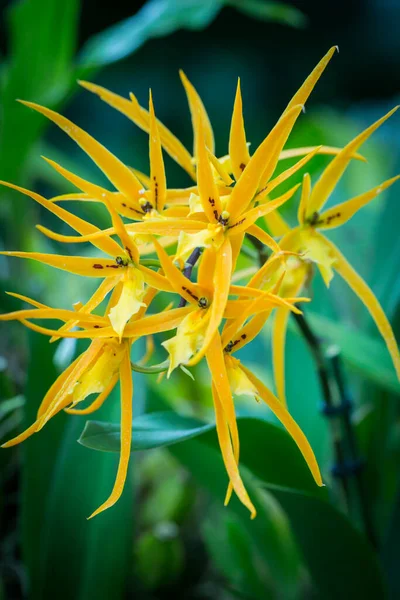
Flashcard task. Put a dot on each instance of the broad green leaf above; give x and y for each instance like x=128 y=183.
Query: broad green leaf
x=340 y=560
x=155 y=19
x=159 y=429
x=270 y=11
x=269 y=531
x=62 y=484
x=42 y=44
x=365 y=354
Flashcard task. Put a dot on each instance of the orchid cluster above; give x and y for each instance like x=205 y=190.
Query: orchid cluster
x=186 y=243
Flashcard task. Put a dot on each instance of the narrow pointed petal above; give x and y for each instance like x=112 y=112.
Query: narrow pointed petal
x=64 y=395
x=229 y=459
x=28 y=300
x=126 y=433
x=333 y=172
x=141 y=118
x=199 y=114
x=158 y=182
x=289 y=423
x=55 y=388
x=324 y=150
x=206 y=266
x=192 y=292
x=263 y=237
x=248 y=218
x=216 y=364
x=251 y=179
x=238 y=149
x=220 y=168
x=88 y=267
x=21 y=437
x=278 y=352
x=288 y=173
x=221 y=280
x=305 y=197
x=108 y=246
x=96 y=404
x=208 y=190
x=236 y=243
x=371 y=303
x=155 y=279
x=121 y=231
x=50 y=313
x=104 y=288
x=123 y=204
x=301 y=96
x=276 y=224
x=118 y=173
x=341 y=213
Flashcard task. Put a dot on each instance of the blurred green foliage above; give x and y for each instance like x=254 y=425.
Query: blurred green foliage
x=170 y=534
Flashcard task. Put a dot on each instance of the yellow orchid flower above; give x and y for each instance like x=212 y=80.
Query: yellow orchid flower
x=317 y=249
x=95 y=371
x=125 y=273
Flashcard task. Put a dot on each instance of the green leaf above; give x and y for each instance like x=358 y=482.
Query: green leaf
x=62 y=485
x=44 y=33
x=365 y=354
x=155 y=19
x=159 y=429
x=270 y=11
x=341 y=562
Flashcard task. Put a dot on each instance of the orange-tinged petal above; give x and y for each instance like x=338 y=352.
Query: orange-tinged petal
x=155 y=279
x=122 y=233
x=251 y=179
x=199 y=115
x=21 y=437
x=236 y=243
x=89 y=267
x=108 y=246
x=104 y=288
x=208 y=190
x=141 y=118
x=276 y=224
x=368 y=298
x=64 y=396
x=56 y=387
x=126 y=432
x=341 y=213
x=50 y=313
x=333 y=172
x=228 y=457
x=216 y=364
x=248 y=218
x=301 y=96
x=220 y=169
x=127 y=206
x=206 y=266
x=263 y=237
x=166 y=227
x=101 y=398
x=289 y=423
x=28 y=300
x=192 y=292
x=238 y=149
x=158 y=181
x=118 y=173
x=288 y=173
x=221 y=280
